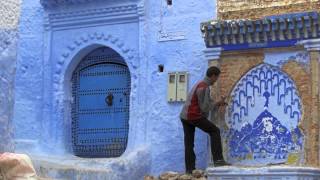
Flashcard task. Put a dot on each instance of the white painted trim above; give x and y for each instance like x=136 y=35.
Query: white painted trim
x=212 y=53
x=310 y=44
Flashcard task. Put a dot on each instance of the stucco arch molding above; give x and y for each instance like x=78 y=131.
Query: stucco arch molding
x=63 y=65
x=81 y=46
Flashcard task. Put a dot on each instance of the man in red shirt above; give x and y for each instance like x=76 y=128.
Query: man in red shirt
x=195 y=114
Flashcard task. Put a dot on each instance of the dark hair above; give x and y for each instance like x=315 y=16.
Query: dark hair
x=213 y=70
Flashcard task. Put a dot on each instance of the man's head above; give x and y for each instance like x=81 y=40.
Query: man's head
x=213 y=73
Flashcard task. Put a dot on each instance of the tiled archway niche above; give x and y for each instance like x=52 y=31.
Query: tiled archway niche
x=270 y=71
x=262 y=118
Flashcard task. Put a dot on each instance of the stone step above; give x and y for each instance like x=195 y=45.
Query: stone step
x=263 y=173
x=61 y=171
x=130 y=166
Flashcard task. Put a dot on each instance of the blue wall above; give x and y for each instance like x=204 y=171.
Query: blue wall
x=29 y=102
x=54 y=40
x=165 y=133
x=7 y=73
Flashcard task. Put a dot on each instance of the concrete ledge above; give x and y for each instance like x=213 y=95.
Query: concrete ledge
x=263 y=173
x=132 y=165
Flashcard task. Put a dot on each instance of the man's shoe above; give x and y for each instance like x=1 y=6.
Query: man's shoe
x=220 y=162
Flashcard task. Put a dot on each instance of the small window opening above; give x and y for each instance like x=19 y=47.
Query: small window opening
x=160 y=67
x=169 y=2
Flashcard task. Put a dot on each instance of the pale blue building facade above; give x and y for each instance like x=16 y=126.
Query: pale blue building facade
x=55 y=37
x=87 y=89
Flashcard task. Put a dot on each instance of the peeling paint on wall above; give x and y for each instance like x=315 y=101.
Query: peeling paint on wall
x=253 y=9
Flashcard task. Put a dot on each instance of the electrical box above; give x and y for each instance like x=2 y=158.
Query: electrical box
x=172 y=86
x=182 y=86
x=177 y=86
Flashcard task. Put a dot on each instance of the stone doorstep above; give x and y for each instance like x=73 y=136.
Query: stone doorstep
x=59 y=172
x=69 y=167
x=60 y=169
x=261 y=173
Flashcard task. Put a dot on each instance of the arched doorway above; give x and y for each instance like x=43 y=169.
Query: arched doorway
x=100 y=106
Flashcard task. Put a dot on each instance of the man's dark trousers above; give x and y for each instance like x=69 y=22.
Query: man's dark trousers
x=215 y=138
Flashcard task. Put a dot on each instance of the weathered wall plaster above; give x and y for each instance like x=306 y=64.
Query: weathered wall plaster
x=29 y=78
x=164 y=126
x=252 y=9
x=9 y=11
x=7 y=74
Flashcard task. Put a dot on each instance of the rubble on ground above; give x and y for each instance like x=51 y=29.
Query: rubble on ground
x=16 y=166
x=170 y=175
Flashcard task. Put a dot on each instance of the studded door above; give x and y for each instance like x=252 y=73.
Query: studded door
x=100 y=110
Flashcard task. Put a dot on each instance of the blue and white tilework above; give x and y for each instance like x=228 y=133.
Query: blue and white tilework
x=263 y=117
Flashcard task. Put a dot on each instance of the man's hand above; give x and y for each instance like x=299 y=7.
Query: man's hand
x=221 y=102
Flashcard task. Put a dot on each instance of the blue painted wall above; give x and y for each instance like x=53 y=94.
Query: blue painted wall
x=9 y=17
x=7 y=73
x=165 y=133
x=29 y=102
x=54 y=40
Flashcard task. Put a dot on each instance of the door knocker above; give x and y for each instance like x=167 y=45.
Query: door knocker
x=109 y=99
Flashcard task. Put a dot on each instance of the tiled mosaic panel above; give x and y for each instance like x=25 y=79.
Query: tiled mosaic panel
x=100 y=126
x=263 y=117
